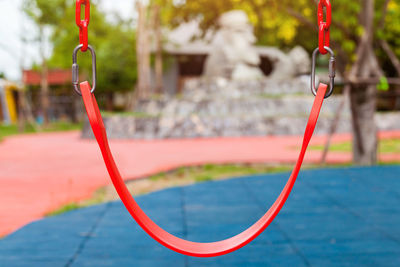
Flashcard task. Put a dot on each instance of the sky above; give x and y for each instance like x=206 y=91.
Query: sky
x=14 y=25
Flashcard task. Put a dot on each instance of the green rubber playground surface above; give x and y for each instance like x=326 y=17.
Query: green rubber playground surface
x=334 y=217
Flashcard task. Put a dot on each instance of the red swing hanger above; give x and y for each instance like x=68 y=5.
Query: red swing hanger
x=324 y=26
x=170 y=241
x=83 y=24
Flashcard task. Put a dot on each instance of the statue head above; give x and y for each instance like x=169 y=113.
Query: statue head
x=238 y=37
x=236 y=20
x=233 y=54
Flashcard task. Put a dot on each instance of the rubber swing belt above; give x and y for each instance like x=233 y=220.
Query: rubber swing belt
x=159 y=234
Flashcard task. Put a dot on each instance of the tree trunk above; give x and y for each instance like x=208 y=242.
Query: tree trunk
x=110 y=101
x=363 y=97
x=335 y=123
x=44 y=85
x=146 y=42
x=21 y=112
x=139 y=53
x=44 y=92
x=25 y=112
x=365 y=141
x=159 y=56
x=143 y=53
x=391 y=55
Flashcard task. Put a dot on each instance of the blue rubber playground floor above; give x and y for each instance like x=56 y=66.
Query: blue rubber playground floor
x=335 y=217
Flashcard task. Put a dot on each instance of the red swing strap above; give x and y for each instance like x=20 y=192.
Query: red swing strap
x=159 y=234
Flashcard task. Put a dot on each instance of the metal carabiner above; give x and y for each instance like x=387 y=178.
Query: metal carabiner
x=332 y=71
x=75 y=69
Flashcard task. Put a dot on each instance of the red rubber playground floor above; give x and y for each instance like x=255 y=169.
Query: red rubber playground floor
x=41 y=172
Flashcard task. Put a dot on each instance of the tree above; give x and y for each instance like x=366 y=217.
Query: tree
x=113 y=42
x=148 y=32
x=159 y=49
x=42 y=13
x=143 y=51
x=363 y=96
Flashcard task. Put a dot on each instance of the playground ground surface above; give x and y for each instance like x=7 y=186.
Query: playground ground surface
x=42 y=172
x=334 y=217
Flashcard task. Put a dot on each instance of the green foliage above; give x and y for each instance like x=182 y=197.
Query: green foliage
x=97 y=198
x=272 y=26
x=383 y=84
x=114 y=43
x=286 y=23
x=60 y=126
x=211 y=172
x=135 y=114
x=7 y=130
x=198 y=174
x=43 y=12
x=385 y=146
x=64 y=209
x=283 y=23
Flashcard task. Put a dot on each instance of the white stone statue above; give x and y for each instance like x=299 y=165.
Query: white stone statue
x=233 y=55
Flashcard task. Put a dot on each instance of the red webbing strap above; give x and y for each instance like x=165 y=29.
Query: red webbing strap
x=165 y=238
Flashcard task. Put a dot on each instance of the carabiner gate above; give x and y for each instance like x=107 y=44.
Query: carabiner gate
x=332 y=71
x=75 y=69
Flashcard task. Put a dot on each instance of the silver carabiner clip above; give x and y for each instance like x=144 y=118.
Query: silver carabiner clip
x=75 y=69
x=332 y=71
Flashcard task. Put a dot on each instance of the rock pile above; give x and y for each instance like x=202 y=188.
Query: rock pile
x=232 y=109
x=224 y=108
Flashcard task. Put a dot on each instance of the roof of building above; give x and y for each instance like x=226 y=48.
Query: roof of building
x=55 y=77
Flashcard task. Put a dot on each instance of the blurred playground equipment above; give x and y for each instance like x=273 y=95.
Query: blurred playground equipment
x=62 y=103
x=8 y=101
